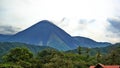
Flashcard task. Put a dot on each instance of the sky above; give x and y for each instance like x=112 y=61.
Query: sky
x=95 y=19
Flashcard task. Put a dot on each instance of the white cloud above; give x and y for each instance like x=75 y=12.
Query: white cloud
x=7 y=29
x=95 y=29
x=24 y=13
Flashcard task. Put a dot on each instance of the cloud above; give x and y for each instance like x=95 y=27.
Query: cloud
x=24 y=13
x=98 y=30
x=82 y=26
x=8 y=29
x=115 y=23
x=112 y=31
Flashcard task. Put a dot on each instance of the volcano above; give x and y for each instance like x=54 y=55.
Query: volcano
x=45 y=33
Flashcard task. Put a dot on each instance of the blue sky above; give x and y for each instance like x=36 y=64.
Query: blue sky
x=96 y=19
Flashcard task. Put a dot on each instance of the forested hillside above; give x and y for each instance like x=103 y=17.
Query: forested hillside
x=6 y=46
x=20 y=55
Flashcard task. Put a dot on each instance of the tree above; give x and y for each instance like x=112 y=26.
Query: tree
x=79 y=49
x=87 y=52
x=46 y=55
x=98 y=56
x=36 y=63
x=59 y=62
x=18 y=54
x=113 y=57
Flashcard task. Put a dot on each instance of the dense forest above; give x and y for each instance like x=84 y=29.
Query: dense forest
x=18 y=55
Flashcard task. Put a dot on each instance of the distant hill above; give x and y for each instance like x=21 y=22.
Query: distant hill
x=93 y=51
x=87 y=42
x=6 y=46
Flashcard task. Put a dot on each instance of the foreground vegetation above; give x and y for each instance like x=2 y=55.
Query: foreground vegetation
x=22 y=57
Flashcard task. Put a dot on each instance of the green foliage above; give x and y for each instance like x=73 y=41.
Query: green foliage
x=58 y=62
x=18 y=54
x=9 y=65
x=113 y=57
x=7 y=46
x=21 y=57
x=36 y=63
x=79 y=49
x=98 y=56
x=47 y=54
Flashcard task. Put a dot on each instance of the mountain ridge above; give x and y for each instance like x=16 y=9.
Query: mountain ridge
x=46 y=33
x=41 y=33
x=87 y=42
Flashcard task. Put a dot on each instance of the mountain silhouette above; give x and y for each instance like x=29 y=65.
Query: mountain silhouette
x=45 y=33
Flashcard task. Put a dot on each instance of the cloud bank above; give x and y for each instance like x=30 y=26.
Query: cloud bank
x=88 y=18
x=8 y=29
x=99 y=30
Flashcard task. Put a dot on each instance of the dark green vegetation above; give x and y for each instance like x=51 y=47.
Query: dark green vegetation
x=6 y=46
x=17 y=55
